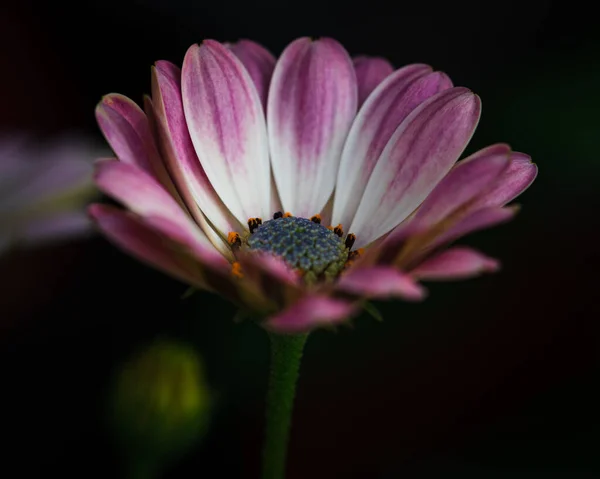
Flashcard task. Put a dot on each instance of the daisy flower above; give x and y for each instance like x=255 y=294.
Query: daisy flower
x=299 y=187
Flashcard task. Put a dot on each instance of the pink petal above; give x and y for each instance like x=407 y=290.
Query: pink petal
x=180 y=156
x=312 y=102
x=370 y=72
x=455 y=263
x=130 y=234
x=475 y=221
x=309 y=313
x=519 y=175
x=259 y=62
x=256 y=265
x=142 y=194
x=38 y=182
x=376 y=122
x=227 y=128
x=126 y=129
x=55 y=227
x=272 y=278
x=380 y=282
x=419 y=154
x=467 y=179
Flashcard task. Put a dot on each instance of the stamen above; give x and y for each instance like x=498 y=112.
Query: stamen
x=278 y=215
x=254 y=223
x=234 y=240
x=236 y=269
x=316 y=219
x=350 y=239
x=355 y=254
x=287 y=214
x=338 y=230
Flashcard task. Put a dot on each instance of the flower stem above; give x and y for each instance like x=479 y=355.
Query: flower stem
x=286 y=353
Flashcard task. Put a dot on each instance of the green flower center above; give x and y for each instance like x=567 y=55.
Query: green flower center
x=304 y=245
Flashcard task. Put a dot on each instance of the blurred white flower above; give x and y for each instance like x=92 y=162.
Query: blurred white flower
x=44 y=187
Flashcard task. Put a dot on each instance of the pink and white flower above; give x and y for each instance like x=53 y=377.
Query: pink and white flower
x=236 y=164
x=44 y=188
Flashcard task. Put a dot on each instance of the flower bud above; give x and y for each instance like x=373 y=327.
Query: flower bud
x=160 y=403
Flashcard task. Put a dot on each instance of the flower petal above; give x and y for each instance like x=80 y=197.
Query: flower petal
x=455 y=263
x=272 y=278
x=519 y=175
x=419 y=154
x=370 y=72
x=380 y=282
x=467 y=179
x=126 y=129
x=180 y=156
x=259 y=62
x=142 y=194
x=311 y=312
x=373 y=127
x=130 y=234
x=227 y=128
x=312 y=102
x=475 y=221
x=58 y=226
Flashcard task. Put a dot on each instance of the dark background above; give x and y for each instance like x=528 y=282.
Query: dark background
x=493 y=377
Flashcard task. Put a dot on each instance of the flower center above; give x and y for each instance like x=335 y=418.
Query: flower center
x=304 y=244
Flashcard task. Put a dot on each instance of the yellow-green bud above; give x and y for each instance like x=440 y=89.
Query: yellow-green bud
x=161 y=402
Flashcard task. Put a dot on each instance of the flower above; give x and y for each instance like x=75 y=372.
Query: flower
x=44 y=189
x=238 y=163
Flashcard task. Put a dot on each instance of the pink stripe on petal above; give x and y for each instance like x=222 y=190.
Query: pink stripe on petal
x=519 y=175
x=376 y=122
x=455 y=263
x=370 y=72
x=463 y=183
x=180 y=156
x=312 y=102
x=309 y=313
x=380 y=282
x=227 y=128
x=419 y=154
x=127 y=232
x=259 y=62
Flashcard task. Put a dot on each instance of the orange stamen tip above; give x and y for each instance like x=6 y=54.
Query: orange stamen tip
x=330 y=228
x=234 y=239
x=355 y=254
x=339 y=230
x=316 y=219
x=287 y=214
x=236 y=269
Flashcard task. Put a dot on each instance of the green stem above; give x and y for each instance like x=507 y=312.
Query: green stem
x=286 y=353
